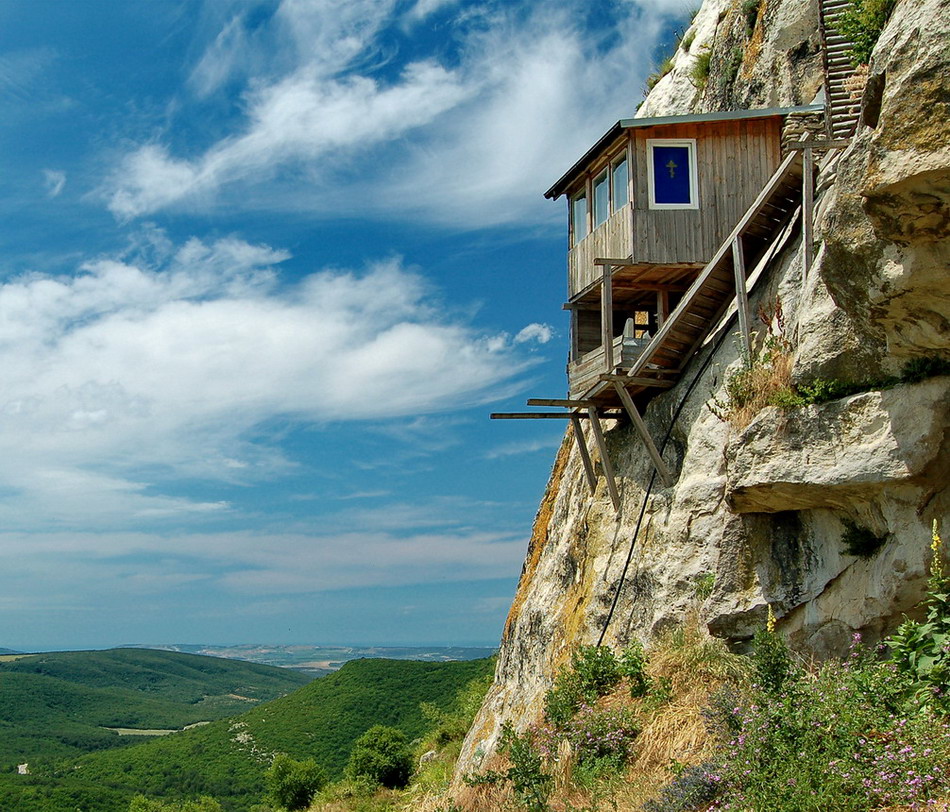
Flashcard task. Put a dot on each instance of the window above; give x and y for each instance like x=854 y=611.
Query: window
x=619 y=179
x=579 y=217
x=671 y=169
x=601 y=198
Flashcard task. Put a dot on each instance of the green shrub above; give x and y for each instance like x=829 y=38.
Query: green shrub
x=921 y=650
x=633 y=667
x=531 y=785
x=203 y=804
x=688 y=39
x=664 y=68
x=703 y=585
x=292 y=784
x=771 y=662
x=382 y=754
x=699 y=72
x=862 y=23
x=593 y=673
x=602 y=736
x=750 y=13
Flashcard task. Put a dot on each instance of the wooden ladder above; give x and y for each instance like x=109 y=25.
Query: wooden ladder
x=843 y=111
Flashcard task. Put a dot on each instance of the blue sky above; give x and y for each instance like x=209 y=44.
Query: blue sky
x=264 y=270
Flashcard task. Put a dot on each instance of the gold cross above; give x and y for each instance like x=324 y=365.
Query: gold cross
x=672 y=166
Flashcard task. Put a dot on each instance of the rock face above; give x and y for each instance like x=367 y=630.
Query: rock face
x=767 y=511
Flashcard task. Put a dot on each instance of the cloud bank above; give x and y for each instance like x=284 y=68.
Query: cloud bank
x=466 y=131
x=129 y=374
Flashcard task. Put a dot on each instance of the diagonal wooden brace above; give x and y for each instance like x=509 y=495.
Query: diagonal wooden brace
x=604 y=458
x=641 y=428
x=585 y=454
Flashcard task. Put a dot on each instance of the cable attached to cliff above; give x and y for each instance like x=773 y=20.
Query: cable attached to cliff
x=773 y=250
x=649 y=490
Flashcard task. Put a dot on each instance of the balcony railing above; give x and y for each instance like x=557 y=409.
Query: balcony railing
x=612 y=238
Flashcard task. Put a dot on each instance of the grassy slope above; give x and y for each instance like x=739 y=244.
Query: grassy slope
x=227 y=759
x=59 y=704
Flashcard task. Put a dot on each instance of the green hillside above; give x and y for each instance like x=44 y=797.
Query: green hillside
x=62 y=704
x=227 y=759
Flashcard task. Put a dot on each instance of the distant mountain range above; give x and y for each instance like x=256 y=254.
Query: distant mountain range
x=320 y=660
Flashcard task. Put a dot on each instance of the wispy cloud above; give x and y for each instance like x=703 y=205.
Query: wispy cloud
x=174 y=369
x=523 y=447
x=54 y=180
x=469 y=139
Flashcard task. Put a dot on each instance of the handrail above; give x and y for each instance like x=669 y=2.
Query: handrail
x=771 y=185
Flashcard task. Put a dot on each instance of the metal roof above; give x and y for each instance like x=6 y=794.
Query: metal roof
x=660 y=121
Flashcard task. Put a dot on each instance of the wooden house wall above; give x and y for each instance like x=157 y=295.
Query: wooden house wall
x=734 y=159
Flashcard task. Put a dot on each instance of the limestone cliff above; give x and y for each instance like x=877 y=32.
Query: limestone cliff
x=764 y=509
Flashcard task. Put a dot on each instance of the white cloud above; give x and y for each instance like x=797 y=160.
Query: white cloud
x=541 y=333
x=471 y=140
x=127 y=368
x=523 y=447
x=424 y=8
x=248 y=563
x=54 y=180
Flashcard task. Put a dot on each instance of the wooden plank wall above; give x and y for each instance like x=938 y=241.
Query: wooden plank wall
x=610 y=239
x=734 y=161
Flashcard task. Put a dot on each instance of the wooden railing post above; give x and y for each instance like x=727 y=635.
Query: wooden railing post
x=607 y=317
x=808 y=204
x=742 y=297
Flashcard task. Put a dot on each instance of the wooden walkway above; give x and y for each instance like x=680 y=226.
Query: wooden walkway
x=843 y=111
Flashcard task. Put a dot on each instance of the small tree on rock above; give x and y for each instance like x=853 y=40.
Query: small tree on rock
x=383 y=755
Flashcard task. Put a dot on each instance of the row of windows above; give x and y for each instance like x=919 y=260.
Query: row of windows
x=671 y=177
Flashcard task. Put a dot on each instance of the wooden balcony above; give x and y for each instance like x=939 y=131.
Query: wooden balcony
x=612 y=238
x=585 y=372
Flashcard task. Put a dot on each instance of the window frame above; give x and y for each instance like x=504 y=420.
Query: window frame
x=621 y=157
x=601 y=178
x=581 y=192
x=690 y=144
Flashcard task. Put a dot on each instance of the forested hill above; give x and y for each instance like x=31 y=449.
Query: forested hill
x=61 y=704
x=227 y=758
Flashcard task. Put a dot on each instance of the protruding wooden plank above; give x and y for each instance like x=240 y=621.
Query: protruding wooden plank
x=532 y=415
x=566 y=402
x=641 y=428
x=742 y=297
x=585 y=454
x=604 y=457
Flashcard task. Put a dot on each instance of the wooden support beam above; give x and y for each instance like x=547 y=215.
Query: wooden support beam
x=566 y=402
x=742 y=297
x=607 y=319
x=604 y=457
x=808 y=205
x=639 y=381
x=533 y=415
x=823 y=144
x=662 y=307
x=641 y=428
x=617 y=263
x=585 y=454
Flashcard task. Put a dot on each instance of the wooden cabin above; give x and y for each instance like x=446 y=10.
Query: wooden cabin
x=649 y=205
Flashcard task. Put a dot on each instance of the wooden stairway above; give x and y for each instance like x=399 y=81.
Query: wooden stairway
x=843 y=111
x=722 y=280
